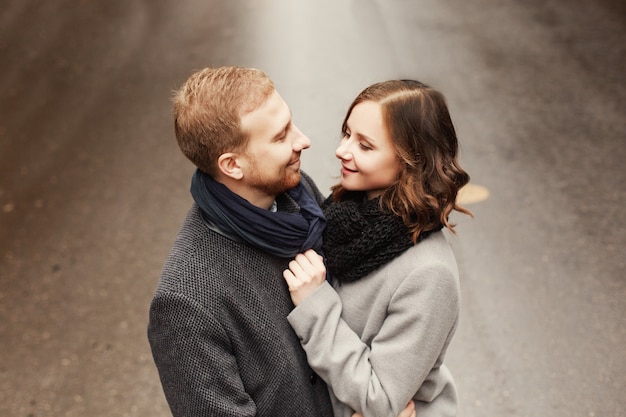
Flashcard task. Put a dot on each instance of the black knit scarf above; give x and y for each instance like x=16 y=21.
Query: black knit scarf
x=360 y=237
x=281 y=233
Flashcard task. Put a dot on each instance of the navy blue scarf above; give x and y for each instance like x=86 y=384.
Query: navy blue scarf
x=281 y=233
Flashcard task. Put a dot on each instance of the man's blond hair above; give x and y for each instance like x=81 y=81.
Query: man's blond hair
x=208 y=110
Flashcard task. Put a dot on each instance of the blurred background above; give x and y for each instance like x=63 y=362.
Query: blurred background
x=93 y=188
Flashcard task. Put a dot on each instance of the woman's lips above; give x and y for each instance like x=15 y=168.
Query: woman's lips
x=345 y=170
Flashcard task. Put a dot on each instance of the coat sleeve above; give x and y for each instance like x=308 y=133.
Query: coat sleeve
x=379 y=379
x=198 y=371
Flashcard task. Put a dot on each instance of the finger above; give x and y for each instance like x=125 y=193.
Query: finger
x=296 y=268
x=303 y=260
x=304 y=269
x=291 y=279
x=316 y=259
x=311 y=262
x=409 y=410
x=316 y=268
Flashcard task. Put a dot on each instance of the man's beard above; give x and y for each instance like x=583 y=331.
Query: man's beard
x=270 y=186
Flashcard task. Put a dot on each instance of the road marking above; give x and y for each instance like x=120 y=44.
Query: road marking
x=472 y=193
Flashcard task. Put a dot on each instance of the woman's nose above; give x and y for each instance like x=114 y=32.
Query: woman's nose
x=343 y=150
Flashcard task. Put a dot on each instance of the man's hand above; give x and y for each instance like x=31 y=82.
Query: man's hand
x=305 y=274
x=409 y=411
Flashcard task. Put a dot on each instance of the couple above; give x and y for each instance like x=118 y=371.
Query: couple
x=374 y=283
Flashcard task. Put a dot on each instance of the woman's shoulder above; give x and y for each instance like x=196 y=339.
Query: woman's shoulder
x=426 y=263
x=433 y=250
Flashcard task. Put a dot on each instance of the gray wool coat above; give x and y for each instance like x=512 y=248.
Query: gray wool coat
x=219 y=333
x=380 y=341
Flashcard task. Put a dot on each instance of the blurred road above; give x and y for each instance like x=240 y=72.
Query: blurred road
x=93 y=188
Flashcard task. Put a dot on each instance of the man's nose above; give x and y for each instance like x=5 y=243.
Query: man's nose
x=302 y=141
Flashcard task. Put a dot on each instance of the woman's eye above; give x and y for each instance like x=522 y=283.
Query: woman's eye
x=365 y=146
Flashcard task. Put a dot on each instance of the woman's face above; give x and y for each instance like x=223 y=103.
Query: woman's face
x=367 y=152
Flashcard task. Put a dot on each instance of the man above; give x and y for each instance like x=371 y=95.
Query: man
x=218 y=321
x=218 y=329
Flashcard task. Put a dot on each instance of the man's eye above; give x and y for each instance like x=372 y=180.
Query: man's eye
x=283 y=135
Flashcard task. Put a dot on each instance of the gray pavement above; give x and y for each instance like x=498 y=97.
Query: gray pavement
x=93 y=187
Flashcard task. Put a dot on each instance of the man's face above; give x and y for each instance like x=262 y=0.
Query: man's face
x=271 y=164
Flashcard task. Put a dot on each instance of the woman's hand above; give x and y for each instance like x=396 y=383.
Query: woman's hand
x=409 y=411
x=306 y=272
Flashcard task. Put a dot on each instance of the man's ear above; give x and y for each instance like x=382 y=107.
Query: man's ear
x=228 y=164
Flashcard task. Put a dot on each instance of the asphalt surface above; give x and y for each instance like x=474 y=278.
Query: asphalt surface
x=93 y=188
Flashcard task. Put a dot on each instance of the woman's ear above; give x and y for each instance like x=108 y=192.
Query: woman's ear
x=228 y=164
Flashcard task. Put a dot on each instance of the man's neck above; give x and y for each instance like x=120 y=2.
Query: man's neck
x=253 y=196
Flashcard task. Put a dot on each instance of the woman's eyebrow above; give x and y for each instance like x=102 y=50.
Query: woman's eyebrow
x=365 y=137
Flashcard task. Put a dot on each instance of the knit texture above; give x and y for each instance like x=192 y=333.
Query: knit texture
x=219 y=334
x=360 y=237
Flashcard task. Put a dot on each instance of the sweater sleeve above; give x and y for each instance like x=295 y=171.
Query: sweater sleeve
x=379 y=379
x=192 y=353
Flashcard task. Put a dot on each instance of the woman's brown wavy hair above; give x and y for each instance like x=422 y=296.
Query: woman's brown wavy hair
x=419 y=123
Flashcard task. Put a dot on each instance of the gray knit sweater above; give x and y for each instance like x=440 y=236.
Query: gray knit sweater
x=219 y=333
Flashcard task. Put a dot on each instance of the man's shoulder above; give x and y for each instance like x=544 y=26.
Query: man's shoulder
x=195 y=247
x=201 y=253
x=193 y=231
x=311 y=187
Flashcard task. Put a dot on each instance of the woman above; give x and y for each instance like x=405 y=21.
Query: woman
x=379 y=334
